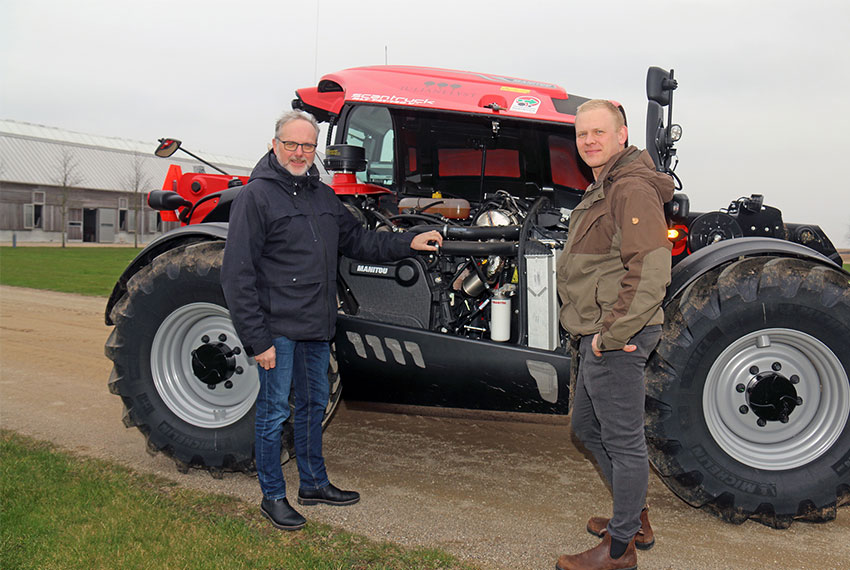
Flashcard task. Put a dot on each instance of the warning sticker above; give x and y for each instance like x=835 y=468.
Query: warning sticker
x=514 y=89
x=526 y=104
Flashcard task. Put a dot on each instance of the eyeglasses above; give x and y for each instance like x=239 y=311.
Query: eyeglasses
x=292 y=146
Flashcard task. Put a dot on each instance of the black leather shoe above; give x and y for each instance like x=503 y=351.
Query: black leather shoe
x=281 y=514
x=329 y=495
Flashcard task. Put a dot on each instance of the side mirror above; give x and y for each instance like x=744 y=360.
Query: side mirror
x=660 y=85
x=661 y=137
x=167 y=147
x=655 y=131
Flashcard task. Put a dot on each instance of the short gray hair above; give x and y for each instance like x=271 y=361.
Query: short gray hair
x=296 y=115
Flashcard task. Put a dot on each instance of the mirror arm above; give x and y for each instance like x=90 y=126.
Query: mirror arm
x=199 y=159
x=670 y=84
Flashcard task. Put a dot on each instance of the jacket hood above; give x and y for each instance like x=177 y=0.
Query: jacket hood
x=269 y=168
x=633 y=162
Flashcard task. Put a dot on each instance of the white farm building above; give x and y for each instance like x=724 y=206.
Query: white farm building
x=92 y=188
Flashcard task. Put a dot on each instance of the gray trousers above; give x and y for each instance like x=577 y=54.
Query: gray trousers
x=608 y=418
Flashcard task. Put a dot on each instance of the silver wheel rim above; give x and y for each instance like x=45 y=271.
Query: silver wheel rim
x=171 y=366
x=813 y=426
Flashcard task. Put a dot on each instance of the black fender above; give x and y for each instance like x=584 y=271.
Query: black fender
x=698 y=263
x=212 y=231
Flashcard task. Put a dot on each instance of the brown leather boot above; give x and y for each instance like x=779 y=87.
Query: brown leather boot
x=599 y=558
x=644 y=539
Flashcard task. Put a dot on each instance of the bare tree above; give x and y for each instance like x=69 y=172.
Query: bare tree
x=67 y=176
x=137 y=181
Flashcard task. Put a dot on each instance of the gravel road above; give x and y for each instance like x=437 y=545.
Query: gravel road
x=503 y=494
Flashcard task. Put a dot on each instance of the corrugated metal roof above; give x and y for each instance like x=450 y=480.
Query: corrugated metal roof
x=35 y=154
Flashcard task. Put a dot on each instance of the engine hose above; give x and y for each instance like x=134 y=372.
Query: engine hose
x=421 y=217
x=479 y=249
x=471 y=316
x=523 y=241
x=383 y=219
x=471 y=233
x=431 y=205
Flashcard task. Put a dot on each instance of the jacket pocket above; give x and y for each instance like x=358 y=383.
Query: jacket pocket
x=281 y=226
x=297 y=307
x=595 y=233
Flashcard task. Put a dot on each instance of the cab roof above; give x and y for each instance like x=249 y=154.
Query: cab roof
x=444 y=89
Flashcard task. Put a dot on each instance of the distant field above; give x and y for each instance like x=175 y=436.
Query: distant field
x=83 y=270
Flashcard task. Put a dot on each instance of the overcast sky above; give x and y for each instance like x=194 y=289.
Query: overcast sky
x=762 y=95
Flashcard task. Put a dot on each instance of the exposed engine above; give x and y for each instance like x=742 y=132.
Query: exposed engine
x=469 y=288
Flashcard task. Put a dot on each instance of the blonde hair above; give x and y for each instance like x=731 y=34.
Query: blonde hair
x=593 y=104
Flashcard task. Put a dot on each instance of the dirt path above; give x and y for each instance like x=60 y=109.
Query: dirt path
x=503 y=494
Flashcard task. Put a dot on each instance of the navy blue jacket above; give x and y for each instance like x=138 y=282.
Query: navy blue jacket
x=280 y=259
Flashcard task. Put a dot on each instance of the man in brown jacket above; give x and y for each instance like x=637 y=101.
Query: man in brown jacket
x=612 y=278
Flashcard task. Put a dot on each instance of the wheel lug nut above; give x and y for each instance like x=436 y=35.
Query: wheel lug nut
x=228 y=384
x=754 y=369
x=762 y=422
x=740 y=388
x=211 y=386
x=237 y=350
x=794 y=379
x=799 y=401
x=239 y=370
x=776 y=367
x=743 y=409
x=784 y=419
x=205 y=339
x=222 y=337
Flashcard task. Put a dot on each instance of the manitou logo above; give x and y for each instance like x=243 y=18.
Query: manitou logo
x=373 y=269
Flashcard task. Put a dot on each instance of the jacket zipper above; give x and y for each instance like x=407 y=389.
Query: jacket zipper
x=321 y=241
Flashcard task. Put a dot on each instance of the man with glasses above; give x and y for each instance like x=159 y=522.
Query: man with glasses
x=279 y=278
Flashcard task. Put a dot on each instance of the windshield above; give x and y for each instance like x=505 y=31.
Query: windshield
x=417 y=152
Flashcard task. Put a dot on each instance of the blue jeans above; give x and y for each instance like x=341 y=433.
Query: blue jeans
x=302 y=366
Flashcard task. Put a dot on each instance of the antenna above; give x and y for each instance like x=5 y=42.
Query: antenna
x=385 y=54
x=316 y=51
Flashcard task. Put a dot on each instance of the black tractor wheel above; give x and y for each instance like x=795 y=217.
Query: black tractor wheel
x=179 y=366
x=748 y=397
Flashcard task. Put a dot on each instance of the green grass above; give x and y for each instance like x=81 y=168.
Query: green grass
x=83 y=270
x=62 y=511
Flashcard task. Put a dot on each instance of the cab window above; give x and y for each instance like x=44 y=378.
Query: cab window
x=372 y=128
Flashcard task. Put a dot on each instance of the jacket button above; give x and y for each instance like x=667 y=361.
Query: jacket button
x=294 y=279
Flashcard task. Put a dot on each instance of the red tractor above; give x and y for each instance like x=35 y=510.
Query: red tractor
x=748 y=396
